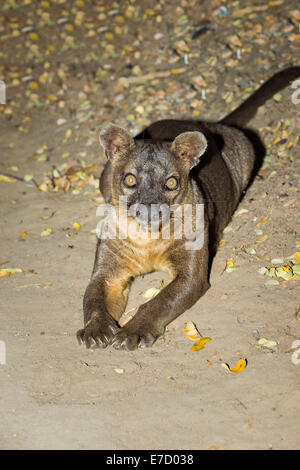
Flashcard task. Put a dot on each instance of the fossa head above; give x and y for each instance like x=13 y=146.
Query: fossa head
x=150 y=173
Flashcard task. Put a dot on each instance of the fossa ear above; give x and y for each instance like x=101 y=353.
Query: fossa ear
x=116 y=141
x=189 y=146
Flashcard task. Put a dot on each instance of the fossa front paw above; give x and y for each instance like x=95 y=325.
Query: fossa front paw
x=131 y=337
x=99 y=329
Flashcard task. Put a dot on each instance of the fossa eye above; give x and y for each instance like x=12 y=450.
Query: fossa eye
x=171 y=183
x=129 y=180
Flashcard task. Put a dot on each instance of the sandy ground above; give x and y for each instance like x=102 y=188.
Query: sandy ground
x=55 y=394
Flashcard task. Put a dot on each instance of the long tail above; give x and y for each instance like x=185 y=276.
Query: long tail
x=247 y=110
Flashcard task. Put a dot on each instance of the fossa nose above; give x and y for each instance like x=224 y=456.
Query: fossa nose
x=145 y=214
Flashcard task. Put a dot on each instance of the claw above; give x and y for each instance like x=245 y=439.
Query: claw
x=95 y=332
x=79 y=336
x=114 y=340
x=114 y=329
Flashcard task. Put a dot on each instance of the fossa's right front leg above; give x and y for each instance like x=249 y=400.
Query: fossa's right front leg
x=104 y=301
x=99 y=325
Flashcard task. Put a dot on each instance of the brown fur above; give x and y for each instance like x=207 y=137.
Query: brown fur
x=166 y=148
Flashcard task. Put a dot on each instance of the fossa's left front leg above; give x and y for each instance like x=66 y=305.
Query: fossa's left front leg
x=189 y=284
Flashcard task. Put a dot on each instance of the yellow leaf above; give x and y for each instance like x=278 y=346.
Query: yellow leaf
x=267 y=343
x=41 y=158
x=47 y=231
x=240 y=366
x=28 y=178
x=51 y=97
x=43 y=78
x=200 y=344
x=285 y=272
x=277 y=97
x=24 y=234
x=230 y=265
x=176 y=71
x=263 y=221
x=285 y=268
x=8 y=271
x=34 y=36
x=275 y=3
x=34 y=85
x=297 y=257
x=47 y=286
x=222 y=242
x=69 y=28
x=7 y=179
x=68 y=133
x=43 y=187
x=262 y=239
x=140 y=109
x=109 y=36
x=76 y=226
x=296 y=272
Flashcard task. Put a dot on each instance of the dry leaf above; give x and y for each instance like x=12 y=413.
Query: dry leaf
x=241 y=212
x=8 y=271
x=230 y=266
x=287 y=272
x=262 y=239
x=7 y=179
x=43 y=188
x=68 y=133
x=76 y=226
x=263 y=221
x=190 y=331
x=150 y=293
x=240 y=366
x=126 y=320
x=267 y=343
x=200 y=344
x=46 y=217
x=47 y=231
x=277 y=261
x=28 y=178
x=297 y=257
